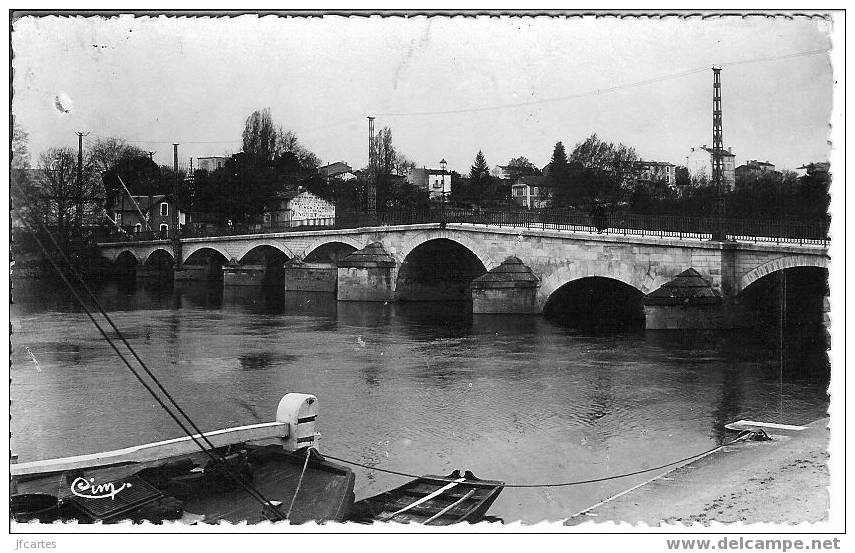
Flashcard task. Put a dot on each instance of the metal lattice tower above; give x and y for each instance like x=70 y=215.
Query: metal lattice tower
x=371 y=192
x=718 y=153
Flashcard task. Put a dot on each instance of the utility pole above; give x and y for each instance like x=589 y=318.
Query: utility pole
x=150 y=215
x=371 y=192
x=176 y=237
x=718 y=158
x=78 y=216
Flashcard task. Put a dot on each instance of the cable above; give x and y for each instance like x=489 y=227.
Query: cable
x=210 y=452
x=742 y=436
x=604 y=90
x=299 y=482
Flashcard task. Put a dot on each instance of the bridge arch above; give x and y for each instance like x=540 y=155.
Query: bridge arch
x=191 y=248
x=473 y=245
x=327 y=241
x=439 y=269
x=596 y=302
x=636 y=276
x=127 y=256
x=787 y=262
x=144 y=258
x=124 y=254
x=246 y=248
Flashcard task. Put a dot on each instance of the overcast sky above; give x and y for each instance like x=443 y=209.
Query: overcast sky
x=161 y=80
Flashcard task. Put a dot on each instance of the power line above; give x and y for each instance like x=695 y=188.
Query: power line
x=599 y=91
x=238 y=140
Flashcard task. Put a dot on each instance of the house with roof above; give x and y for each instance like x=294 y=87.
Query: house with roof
x=532 y=192
x=657 y=171
x=142 y=213
x=819 y=168
x=700 y=161
x=211 y=163
x=299 y=208
x=752 y=169
x=437 y=182
x=337 y=170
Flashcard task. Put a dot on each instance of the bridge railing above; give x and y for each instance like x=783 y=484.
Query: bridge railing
x=626 y=224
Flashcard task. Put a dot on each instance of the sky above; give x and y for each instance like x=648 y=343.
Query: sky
x=447 y=87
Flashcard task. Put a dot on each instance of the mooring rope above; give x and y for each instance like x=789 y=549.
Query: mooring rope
x=742 y=436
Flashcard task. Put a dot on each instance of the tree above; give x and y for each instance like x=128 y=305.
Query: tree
x=58 y=201
x=288 y=143
x=20 y=147
x=681 y=177
x=605 y=171
x=106 y=153
x=140 y=175
x=559 y=177
x=479 y=179
x=388 y=169
x=20 y=178
x=266 y=167
x=520 y=167
x=260 y=137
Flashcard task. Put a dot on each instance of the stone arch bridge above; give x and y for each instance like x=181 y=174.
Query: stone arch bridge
x=555 y=257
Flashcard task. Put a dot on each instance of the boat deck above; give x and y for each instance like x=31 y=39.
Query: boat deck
x=325 y=490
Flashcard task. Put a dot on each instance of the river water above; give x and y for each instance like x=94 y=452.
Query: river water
x=418 y=387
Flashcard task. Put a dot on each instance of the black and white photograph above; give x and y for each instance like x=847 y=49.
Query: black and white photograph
x=386 y=272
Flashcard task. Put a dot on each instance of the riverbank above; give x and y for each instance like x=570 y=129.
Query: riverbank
x=782 y=481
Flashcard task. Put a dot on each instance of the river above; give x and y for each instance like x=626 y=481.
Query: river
x=417 y=387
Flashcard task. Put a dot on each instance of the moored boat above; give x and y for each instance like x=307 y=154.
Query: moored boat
x=269 y=471
x=432 y=500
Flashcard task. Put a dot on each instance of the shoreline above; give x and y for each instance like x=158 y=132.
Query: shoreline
x=781 y=481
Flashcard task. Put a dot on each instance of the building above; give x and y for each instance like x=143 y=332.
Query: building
x=532 y=192
x=301 y=207
x=211 y=163
x=662 y=171
x=156 y=215
x=699 y=163
x=338 y=170
x=814 y=169
x=752 y=169
x=437 y=182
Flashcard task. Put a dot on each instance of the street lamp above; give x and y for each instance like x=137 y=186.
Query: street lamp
x=443 y=164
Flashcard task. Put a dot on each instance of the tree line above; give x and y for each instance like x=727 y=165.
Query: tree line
x=69 y=200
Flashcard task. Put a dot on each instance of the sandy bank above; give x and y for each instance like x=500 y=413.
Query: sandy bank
x=781 y=481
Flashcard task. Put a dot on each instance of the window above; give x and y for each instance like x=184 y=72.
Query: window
x=117 y=216
x=164 y=228
x=164 y=209
x=138 y=227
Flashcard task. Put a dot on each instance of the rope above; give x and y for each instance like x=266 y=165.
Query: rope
x=254 y=493
x=744 y=435
x=299 y=483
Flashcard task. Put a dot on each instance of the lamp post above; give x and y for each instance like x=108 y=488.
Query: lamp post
x=443 y=166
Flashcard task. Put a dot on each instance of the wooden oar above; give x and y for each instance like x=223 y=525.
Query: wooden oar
x=422 y=500
x=469 y=494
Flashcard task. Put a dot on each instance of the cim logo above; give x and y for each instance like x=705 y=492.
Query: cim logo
x=90 y=490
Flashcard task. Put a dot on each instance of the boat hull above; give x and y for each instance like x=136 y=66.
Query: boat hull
x=192 y=488
x=432 y=500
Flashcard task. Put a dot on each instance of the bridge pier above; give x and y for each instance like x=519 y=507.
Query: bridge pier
x=236 y=274
x=300 y=276
x=509 y=288
x=691 y=302
x=367 y=275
